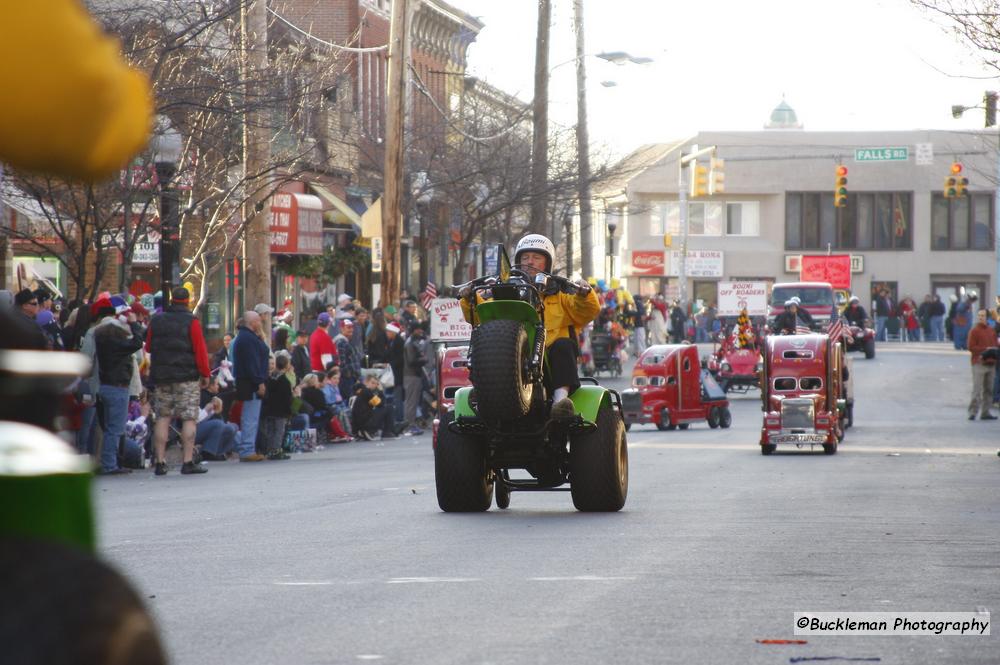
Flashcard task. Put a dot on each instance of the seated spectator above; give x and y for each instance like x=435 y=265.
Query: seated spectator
x=312 y=396
x=371 y=412
x=276 y=410
x=337 y=406
x=213 y=435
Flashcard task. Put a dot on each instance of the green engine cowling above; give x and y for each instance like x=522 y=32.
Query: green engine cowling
x=587 y=402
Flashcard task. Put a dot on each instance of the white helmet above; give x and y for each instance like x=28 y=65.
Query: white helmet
x=535 y=242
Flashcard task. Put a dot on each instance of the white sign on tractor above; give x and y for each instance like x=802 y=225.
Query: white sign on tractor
x=734 y=297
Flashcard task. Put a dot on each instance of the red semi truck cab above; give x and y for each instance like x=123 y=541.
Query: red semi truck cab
x=816 y=298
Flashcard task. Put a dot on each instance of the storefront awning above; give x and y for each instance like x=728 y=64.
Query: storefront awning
x=339 y=213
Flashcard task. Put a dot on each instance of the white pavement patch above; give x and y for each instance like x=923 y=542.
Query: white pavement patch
x=431 y=580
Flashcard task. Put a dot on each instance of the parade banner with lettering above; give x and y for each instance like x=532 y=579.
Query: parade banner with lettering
x=834 y=269
x=734 y=297
x=448 y=324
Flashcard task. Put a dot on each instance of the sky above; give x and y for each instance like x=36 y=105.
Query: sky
x=725 y=65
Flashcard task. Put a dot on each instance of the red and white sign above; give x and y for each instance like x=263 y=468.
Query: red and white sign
x=448 y=324
x=647 y=262
x=734 y=297
x=296 y=225
x=835 y=270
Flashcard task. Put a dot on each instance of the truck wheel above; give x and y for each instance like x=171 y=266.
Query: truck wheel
x=830 y=448
x=599 y=465
x=498 y=356
x=502 y=495
x=869 y=348
x=684 y=425
x=463 y=482
x=725 y=418
x=768 y=448
x=664 y=424
x=713 y=417
x=850 y=414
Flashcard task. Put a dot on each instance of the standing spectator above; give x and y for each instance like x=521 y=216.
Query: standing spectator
x=937 y=314
x=924 y=317
x=389 y=311
x=908 y=324
x=322 y=350
x=266 y=312
x=345 y=307
x=178 y=368
x=276 y=410
x=395 y=359
x=981 y=338
x=250 y=355
x=414 y=357
x=46 y=320
x=370 y=414
x=376 y=343
x=409 y=315
x=280 y=342
x=350 y=361
x=658 y=321
x=678 y=319
x=962 y=321
x=223 y=352
x=115 y=342
x=883 y=310
x=361 y=323
x=639 y=316
x=301 y=362
x=26 y=303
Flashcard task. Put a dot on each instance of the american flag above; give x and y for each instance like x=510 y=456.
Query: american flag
x=429 y=293
x=838 y=331
x=801 y=328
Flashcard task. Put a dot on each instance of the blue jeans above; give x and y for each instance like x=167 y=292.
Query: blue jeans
x=215 y=436
x=937 y=328
x=114 y=401
x=880 y=322
x=249 y=420
x=85 y=437
x=398 y=405
x=996 y=387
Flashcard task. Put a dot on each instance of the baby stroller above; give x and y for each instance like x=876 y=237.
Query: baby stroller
x=604 y=353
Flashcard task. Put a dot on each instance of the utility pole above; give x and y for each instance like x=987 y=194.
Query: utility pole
x=583 y=148
x=393 y=171
x=256 y=151
x=540 y=120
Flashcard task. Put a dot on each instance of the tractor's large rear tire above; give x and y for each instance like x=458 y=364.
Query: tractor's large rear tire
x=599 y=465
x=464 y=484
x=499 y=354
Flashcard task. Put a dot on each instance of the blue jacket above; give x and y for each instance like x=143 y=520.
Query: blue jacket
x=250 y=356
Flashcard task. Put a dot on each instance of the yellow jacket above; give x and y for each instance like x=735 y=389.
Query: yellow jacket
x=561 y=311
x=73 y=106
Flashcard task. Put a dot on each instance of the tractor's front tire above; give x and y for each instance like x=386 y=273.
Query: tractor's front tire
x=599 y=465
x=464 y=484
x=869 y=348
x=498 y=355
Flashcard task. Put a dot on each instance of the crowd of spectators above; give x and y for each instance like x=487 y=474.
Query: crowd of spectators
x=269 y=388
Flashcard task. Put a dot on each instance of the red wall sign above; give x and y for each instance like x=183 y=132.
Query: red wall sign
x=648 y=263
x=834 y=269
x=296 y=224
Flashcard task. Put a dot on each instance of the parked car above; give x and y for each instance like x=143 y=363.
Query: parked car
x=671 y=390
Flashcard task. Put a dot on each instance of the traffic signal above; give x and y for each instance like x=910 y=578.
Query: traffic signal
x=716 y=176
x=699 y=180
x=840 y=188
x=956 y=183
x=991 y=109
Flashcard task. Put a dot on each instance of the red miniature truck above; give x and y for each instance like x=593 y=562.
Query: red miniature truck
x=735 y=369
x=803 y=393
x=453 y=373
x=671 y=390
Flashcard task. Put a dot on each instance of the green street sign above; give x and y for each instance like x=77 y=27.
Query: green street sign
x=881 y=154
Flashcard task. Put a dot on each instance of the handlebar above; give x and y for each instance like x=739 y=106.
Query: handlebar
x=565 y=285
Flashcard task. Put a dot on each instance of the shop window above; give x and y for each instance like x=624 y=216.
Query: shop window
x=871 y=220
x=742 y=218
x=962 y=223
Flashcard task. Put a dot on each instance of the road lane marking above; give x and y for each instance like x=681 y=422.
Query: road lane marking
x=369 y=656
x=845 y=448
x=316 y=583
x=431 y=580
x=582 y=578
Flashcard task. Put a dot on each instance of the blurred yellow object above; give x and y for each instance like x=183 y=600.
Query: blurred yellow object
x=72 y=106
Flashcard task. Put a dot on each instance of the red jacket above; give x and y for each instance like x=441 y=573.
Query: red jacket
x=320 y=344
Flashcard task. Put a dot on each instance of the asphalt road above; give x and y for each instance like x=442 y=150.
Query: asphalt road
x=342 y=556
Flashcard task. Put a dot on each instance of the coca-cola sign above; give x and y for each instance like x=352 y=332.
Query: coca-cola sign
x=647 y=262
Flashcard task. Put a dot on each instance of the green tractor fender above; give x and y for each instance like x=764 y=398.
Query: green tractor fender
x=588 y=400
x=462 y=406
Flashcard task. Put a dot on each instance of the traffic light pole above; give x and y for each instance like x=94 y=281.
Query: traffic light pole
x=682 y=200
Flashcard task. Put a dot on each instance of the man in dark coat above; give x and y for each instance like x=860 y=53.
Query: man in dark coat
x=250 y=356
x=301 y=362
x=116 y=341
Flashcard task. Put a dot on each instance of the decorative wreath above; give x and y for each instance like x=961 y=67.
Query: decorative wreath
x=744 y=331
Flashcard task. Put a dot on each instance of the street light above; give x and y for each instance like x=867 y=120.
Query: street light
x=990 y=106
x=166 y=146
x=610 y=249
